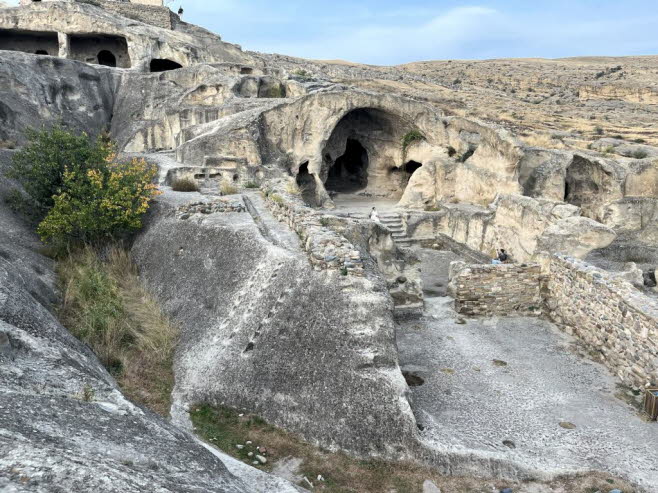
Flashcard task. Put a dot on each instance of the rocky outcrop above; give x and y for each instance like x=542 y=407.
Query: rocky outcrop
x=310 y=351
x=521 y=225
x=184 y=45
x=45 y=90
x=64 y=424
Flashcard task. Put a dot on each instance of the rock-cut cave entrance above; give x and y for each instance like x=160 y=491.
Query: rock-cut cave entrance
x=349 y=173
x=163 y=65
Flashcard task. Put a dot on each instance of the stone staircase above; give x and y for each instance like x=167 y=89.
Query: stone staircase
x=393 y=222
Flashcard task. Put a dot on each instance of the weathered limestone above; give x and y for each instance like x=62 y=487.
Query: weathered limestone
x=185 y=44
x=521 y=225
x=47 y=90
x=64 y=424
x=313 y=352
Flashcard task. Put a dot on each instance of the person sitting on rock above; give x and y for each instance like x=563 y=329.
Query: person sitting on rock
x=180 y=11
x=501 y=258
x=374 y=216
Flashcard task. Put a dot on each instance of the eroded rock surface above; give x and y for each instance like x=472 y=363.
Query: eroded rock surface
x=309 y=351
x=64 y=424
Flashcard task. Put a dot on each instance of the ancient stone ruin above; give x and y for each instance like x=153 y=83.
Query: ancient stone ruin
x=294 y=304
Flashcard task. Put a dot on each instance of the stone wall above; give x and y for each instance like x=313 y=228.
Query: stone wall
x=327 y=250
x=496 y=289
x=148 y=14
x=611 y=317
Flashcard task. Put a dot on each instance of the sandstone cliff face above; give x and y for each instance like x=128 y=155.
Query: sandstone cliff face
x=313 y=352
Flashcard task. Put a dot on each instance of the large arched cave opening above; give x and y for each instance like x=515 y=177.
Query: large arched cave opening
x=362 y=149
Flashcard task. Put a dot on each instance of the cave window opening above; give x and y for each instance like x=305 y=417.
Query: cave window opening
x=411 y=167
x=41 y=52
x=349 y=173
x=107 y=58
x=306 y=183
x=164 y=65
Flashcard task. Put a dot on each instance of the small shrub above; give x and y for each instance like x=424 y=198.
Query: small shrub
x=324 y=221
x=40 y=167
x=88 y=393
x=185 y=185
x=101 y=203
x=343 y=271
x=251 y=184
x=277 y=198
x=227 y=189
x=609 y=150
x=639 y=154
x=303 y=75
x=639 y=141
x=598 y=131
x=410 y=138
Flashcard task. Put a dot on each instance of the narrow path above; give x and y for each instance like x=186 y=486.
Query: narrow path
x=513 y=388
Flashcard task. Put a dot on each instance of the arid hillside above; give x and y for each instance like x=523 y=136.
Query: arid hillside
x=553 y=103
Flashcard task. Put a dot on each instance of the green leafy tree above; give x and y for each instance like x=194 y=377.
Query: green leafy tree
x=100 y=203
x=40 y=166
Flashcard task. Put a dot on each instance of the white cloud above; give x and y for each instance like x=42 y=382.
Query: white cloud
x=379 y=44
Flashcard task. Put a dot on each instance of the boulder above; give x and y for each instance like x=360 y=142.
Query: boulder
x=575 y=236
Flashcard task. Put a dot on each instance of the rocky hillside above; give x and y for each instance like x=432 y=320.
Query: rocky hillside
x=552 y=103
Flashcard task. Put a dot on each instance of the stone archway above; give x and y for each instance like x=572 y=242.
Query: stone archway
x=364 y=145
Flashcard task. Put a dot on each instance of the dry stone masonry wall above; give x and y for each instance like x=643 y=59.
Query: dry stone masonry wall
x=187 y=210
x=610 y=316
x=496 y=289
x=327 y=250
x=148 y=14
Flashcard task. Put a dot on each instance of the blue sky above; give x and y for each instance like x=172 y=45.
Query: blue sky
x=390 y=32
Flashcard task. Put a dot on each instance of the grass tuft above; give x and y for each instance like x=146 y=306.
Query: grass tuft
x=106 y=306
x=410 y=138
x=185 y=185
x=227 y=189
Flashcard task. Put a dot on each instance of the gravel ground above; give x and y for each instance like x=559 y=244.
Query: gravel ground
x=514 y=388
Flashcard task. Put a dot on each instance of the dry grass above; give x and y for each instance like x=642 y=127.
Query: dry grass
x=293 y=188
x=543 y=140
x=226 y=188
x=224 y=428
x=106 y=305
x=185 y=185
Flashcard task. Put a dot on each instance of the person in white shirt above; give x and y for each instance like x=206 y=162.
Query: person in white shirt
x=374 y=216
